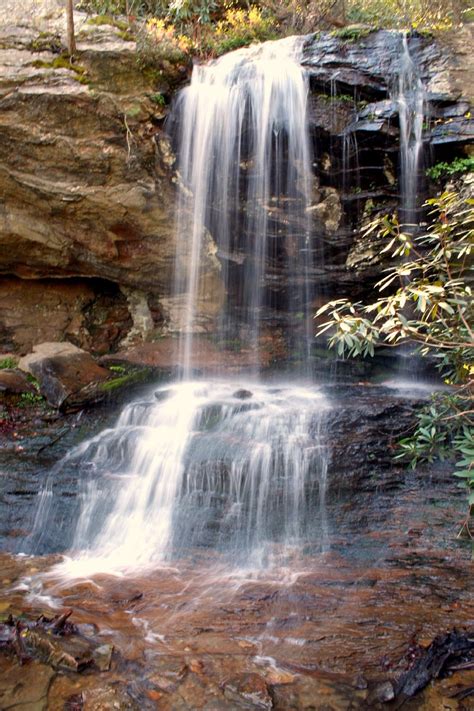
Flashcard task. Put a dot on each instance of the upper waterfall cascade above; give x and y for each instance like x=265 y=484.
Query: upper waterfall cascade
x=410 y=97
x=245 y=176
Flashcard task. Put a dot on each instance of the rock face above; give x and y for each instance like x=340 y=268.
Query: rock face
x=87 y=183
x=355 y=131
x=93 y=314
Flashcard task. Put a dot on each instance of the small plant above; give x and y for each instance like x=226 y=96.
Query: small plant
x=117 y=368
x=8 y=362
x=30 y=399
x=347 y=98
x=158 y=99
x=457 y=166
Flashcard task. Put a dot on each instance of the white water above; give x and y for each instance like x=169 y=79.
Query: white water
x=411 y=111
x=245 y=174
x=410 y=97
x=202 y=464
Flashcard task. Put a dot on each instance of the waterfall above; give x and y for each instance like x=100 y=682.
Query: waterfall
x=410 y=97
x=245 y=184
x=239 y=468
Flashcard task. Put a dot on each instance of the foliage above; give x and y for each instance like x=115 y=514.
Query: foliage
x=197 y=12
x=459 y=165
x=426 y=298
x=8 y=362
x=159 y=40
x=187 y=29
x=239 y=28
x=417 y=14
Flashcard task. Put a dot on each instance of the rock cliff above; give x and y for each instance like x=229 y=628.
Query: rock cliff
x=87 y=183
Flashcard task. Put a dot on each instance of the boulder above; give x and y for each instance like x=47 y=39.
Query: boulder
x=68 y=377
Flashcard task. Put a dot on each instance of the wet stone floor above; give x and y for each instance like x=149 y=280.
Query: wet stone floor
x=320 y=631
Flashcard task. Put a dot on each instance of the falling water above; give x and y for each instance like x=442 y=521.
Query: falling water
x=214 y=465
x=198 y=464
x=410 y=96
x=245 y=177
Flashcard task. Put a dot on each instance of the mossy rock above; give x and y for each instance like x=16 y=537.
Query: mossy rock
x=127 y=377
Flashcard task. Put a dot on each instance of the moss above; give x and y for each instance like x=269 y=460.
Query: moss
x=45 y=42
x=62 y=62
x=352 y=33
x=126 y=36
x=99 y=20
x=133 y=377
x=133 y=112
x=117 y=368
x=81 y=78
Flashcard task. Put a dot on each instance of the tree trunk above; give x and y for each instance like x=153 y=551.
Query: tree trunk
x=71 y=39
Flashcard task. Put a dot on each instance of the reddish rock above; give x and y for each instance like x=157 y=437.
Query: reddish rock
x=250 y=689
x=68 y=376
x=14 y=382
x=91 y=313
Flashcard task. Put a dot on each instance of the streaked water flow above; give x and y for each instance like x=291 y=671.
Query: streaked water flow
x=245 y=177
x=410 y=97
x=201 y=464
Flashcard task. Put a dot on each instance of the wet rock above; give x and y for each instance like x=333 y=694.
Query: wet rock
x=381 y=693
x=109 y=698
x=248 y=691
x=277 y=677
x=361 y=432
x=453 y=131
x=242 y=394
x=24 y=687
x=102 y=657
x=327 y=214
x=68 y=376
x=14 y=382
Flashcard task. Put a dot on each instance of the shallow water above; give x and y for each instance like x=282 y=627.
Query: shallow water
x=310 y=629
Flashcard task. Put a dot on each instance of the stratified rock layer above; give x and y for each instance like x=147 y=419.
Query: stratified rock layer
x=87 y=181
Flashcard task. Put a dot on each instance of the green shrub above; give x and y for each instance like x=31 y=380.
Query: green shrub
x=459 y=165
x=8 y=362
